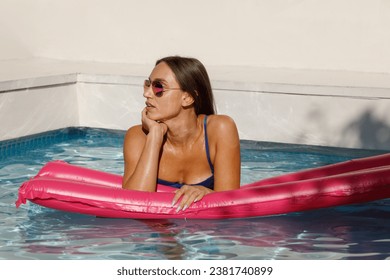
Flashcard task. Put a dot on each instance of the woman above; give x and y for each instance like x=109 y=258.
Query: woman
x=181 y=142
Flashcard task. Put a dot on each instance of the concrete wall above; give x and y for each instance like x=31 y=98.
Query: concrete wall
x=293 y=71
x=34 y=110
x=348 y=35
x=338 y=116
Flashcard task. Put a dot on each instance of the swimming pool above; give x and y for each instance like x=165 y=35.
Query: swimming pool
x=33 y=232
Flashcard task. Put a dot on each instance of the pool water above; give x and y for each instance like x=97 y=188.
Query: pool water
x=33 y=232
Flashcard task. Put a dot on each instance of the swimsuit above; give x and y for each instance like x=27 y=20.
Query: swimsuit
x=209 y=182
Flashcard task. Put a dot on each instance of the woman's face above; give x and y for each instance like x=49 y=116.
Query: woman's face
x=168 y=103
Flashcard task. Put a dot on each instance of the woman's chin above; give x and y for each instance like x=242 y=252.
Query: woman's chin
x=154 y=117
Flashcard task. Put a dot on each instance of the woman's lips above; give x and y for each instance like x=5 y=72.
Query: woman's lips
x=148 y=105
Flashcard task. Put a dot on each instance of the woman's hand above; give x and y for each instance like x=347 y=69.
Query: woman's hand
x=189 y=194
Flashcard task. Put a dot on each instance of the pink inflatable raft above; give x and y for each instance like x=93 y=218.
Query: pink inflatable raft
x=66 y=187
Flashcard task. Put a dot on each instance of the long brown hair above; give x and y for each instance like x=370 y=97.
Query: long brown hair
x=193 y=78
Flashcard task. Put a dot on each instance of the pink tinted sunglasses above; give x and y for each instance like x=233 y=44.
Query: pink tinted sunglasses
x=157 y=87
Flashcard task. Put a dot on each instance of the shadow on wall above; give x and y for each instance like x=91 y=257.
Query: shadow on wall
x=372 y=132
x=366 y=131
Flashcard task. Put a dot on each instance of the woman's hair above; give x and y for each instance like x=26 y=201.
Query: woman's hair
x=193 y=78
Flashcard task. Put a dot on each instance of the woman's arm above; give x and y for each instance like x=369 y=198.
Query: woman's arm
x=141 y=153
x=227 y=160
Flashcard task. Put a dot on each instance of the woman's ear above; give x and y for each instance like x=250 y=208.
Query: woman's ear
x=188 y=100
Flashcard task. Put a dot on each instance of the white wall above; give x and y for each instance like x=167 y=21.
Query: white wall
x=35 y=110
x=307 y=34
x=253 y=50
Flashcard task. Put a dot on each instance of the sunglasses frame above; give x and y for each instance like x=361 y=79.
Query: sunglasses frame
x=157 y=87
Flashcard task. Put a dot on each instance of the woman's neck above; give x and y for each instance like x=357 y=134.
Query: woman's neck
x=184 y=130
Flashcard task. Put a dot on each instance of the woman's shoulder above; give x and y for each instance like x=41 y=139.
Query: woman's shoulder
x=221 y=126
x=135 y=133
x=223 y=138
x=136 y=129
x=220 y=122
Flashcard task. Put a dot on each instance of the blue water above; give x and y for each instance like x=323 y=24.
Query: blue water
x=33 y=232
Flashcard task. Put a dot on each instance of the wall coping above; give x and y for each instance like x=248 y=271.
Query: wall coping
x=41 y=72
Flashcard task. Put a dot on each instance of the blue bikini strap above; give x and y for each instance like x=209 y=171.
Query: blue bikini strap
x=206 y=140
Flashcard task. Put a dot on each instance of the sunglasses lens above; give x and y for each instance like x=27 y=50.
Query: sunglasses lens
x=158 y=89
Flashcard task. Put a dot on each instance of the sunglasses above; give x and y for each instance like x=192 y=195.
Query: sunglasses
x=157 y=87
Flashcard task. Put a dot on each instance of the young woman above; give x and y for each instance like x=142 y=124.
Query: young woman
x=181 y=142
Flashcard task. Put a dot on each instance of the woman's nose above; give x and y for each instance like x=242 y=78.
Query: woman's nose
x=148 y=93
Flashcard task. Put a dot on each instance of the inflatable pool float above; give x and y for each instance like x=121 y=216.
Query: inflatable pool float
x=71 y=188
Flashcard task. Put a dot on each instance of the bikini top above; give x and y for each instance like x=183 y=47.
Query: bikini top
x=209 y=182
